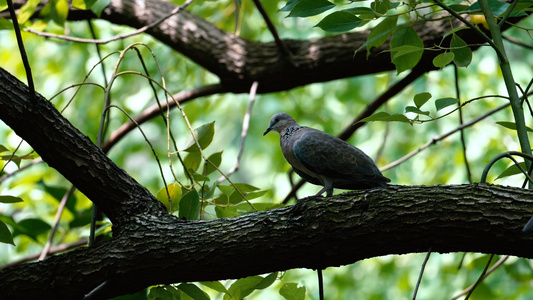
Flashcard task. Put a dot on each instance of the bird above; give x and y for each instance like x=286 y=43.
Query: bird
x=323 y=159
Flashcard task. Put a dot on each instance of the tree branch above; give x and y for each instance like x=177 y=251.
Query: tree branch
x=315 y=233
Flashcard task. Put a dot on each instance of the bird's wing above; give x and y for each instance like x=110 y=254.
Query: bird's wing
x=332 y=157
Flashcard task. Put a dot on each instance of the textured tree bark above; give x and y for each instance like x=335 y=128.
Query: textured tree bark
x=239 y=62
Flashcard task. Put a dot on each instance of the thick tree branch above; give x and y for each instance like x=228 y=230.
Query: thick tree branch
x=73 y=154
x=315 y=233
x=239 y=62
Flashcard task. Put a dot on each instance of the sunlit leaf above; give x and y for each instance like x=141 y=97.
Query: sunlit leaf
x=216 y=159
x=289 y=5
x=31 y=227
x=463 y=53
x=27 y=10
x=421 y=99
x=386 y=117
x=215 y=285
x=10 y=199
x=308 y=8
x=416 y=110
x=512 y=170
x=159 y=293
x=497 y=7
x=189 y=206
x=445 y=102
x=193 y=160
x=364 y=13
x=226 y=212
x=339 y=21
x=406 y=48
x=193 y=291
x=443 y=59
x=174 y=190
x=267 y=281
x=511 y=125
x=379 y=34
x=204 y=134
x=291 y=291
x=243 y=287
x=5 y=234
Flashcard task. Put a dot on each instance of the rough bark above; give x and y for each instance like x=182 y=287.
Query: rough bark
x=239 y=62
x=151 y=247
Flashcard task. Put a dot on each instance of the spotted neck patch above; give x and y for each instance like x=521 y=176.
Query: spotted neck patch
x=289 y=131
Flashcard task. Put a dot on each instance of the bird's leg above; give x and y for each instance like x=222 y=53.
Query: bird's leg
x=328 y=186
x=320 y=192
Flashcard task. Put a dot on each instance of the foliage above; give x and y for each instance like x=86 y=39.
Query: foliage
x=193 y=182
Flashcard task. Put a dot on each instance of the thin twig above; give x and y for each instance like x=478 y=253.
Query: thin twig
x=117 y=37
x=22 y=50
x=461 y=122
x=59 y=212
x=154 y=110
x=53 y=250
x=272 y=28
x=486 y=274
x=421 y=273
x=436 y=139
x=244 y=132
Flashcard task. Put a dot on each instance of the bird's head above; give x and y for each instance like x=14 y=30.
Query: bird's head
x=280 y=121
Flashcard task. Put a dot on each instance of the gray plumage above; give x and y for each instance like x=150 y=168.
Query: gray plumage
x=323 y=159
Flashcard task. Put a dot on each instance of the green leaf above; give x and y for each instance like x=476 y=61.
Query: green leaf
x=291 y=291
x=406 y=48
x=193 y=291
x=421 y=99
x=497 y=7
x=215 y=285
x=267 y=281
x=453 y=31
x=174 y=190
x=5 y=234
x=463 y=53
x=339 y=21
x=289 y=5
x=189 y=207
x=2 y=147
x=308 y=8
x=3 y=6
x=159 y=293
x=511 y=125
x=99 y=6
x=512 y=170
x=10 y=199
x=364 y=13
x=416 y=110
x=193 y=160
x=243 y=287
x=204 y=134
x=31 y=227
x=226 y=212
x=381 y=6
x=254 y=195
x=83 y=4
x=379 y=34
x=27 y=10
x=216 y=159
x=443 y=59
x=445 y=102
x=386 y=117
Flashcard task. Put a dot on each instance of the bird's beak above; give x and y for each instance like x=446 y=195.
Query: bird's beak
x=267 y=131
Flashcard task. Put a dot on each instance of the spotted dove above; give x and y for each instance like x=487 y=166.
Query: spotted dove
x=322 y=159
